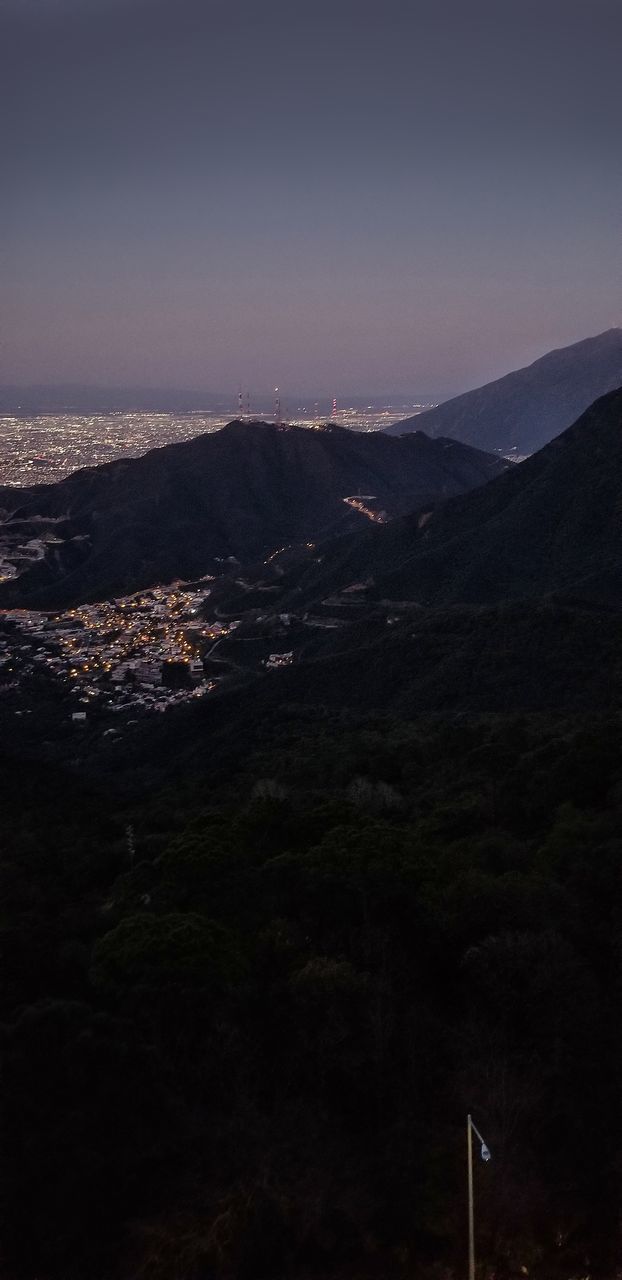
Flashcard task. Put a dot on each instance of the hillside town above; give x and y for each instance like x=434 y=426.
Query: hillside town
x=170 y=644
x=144 y=651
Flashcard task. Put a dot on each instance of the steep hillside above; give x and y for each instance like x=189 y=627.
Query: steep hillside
x=244 y=492
x=552 y=524
x=524 y=410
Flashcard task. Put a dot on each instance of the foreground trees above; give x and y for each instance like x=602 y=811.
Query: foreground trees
x=251 y=1053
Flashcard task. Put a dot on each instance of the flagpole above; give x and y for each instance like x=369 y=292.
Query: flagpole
x=471 y=1206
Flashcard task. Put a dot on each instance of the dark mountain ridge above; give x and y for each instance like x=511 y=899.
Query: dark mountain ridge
x=552 y=524
x=243 y=492
x=525 y=409
x=500 y=601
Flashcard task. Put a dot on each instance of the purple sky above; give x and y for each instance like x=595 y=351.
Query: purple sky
x=333 y=196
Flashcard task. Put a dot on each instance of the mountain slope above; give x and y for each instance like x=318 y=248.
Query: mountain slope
x=243 y=492
x=551 y=525
x=468 y=660
x=525 y=409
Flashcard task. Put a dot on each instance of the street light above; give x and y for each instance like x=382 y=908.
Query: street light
x=485 y=1154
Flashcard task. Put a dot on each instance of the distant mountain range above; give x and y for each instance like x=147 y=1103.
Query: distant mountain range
x=522 y=411
x=244 y=492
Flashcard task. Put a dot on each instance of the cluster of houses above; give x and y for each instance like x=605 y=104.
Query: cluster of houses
x=144 y=650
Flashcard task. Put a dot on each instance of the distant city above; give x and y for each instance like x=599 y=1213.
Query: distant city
x=44 y=447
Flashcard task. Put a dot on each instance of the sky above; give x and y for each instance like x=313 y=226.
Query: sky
x=362 y=195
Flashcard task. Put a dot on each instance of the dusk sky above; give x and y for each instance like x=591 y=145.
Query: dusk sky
x=344 y=195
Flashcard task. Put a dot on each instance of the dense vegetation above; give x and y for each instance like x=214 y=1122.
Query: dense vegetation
x=242 y=1041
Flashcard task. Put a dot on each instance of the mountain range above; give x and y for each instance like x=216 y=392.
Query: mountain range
x=241 y=492
x=524 y=410
x=501 y=600
x=552 y=524
x=415 y=573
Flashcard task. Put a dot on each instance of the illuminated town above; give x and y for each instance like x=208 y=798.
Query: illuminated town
x=143 y=651
x=164 y=646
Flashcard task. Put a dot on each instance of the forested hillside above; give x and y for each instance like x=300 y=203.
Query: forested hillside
x=247 y=1045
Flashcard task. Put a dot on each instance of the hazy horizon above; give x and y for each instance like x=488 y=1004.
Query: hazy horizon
x=222 y=398
x=262 y=396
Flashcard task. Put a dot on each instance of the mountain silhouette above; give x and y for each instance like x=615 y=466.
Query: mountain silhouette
x=525 y=409
x=551 y=525
x=244 y=492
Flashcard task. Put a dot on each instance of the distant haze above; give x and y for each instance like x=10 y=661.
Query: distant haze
x=344 y=194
